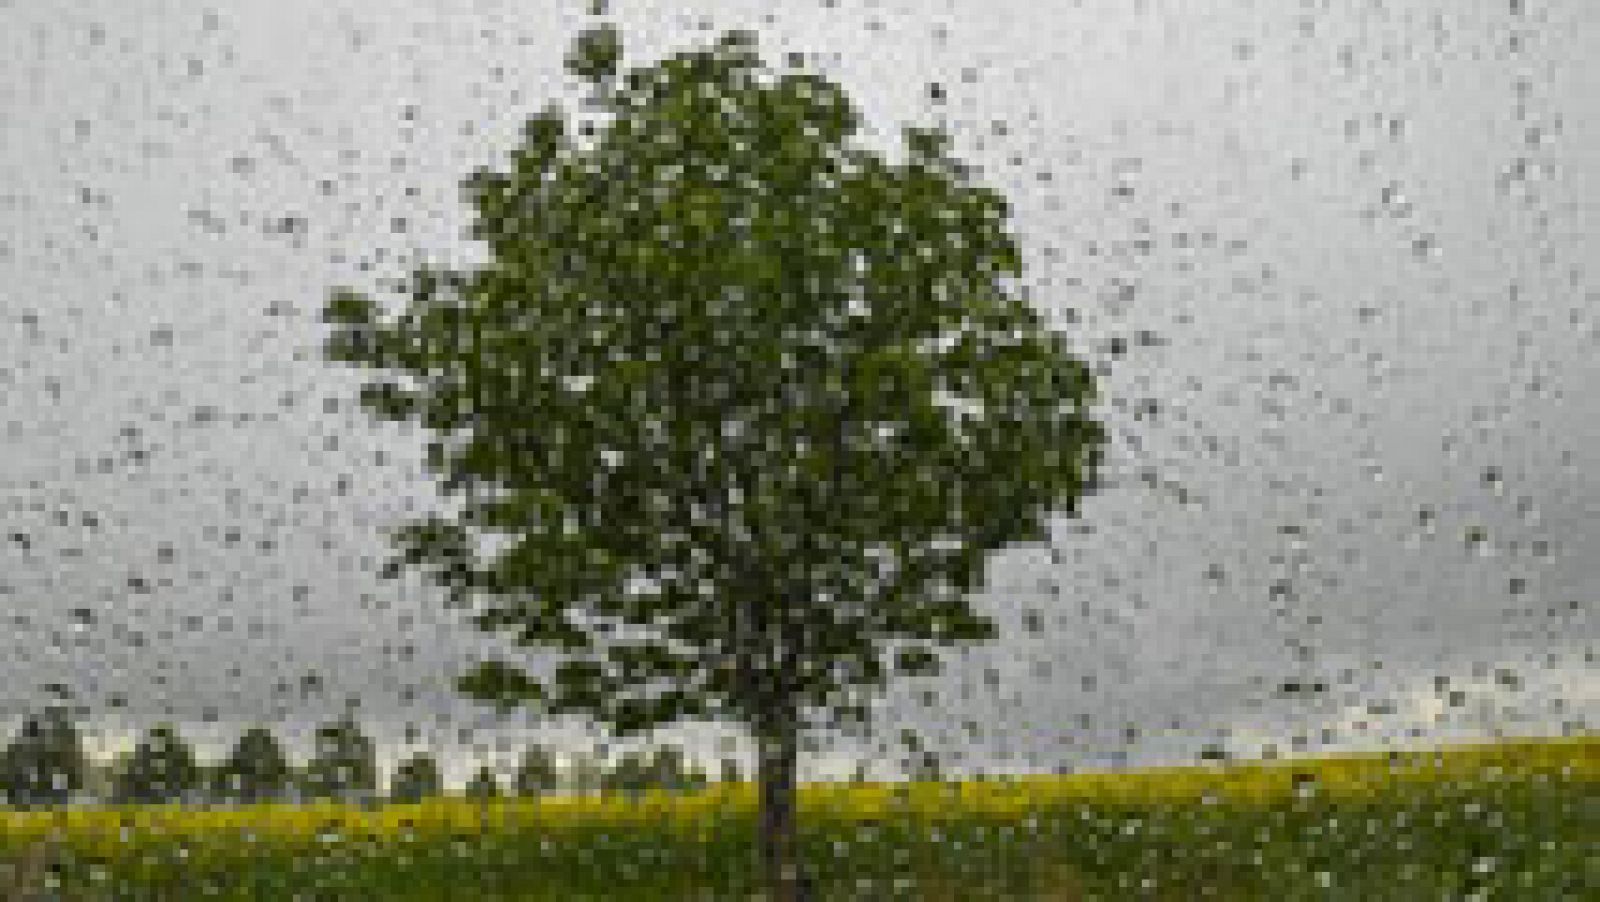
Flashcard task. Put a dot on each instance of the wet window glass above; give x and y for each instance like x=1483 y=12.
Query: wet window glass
x=841 y=449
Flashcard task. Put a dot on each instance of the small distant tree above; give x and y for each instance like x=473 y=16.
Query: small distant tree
x=484 y=785
x=737 y=409
x=161 y=768
x=344 y=764
x=256 y=770
x=670 y=769
x=586 y=774
x=664 y=767
x=45 y=762
x=537 y=773
x=626 y=774
x=100 y=779
x=924 y=767
x=416 y=778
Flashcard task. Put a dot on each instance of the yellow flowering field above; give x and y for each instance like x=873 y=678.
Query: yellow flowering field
x=1384 y=826
x=1349 y=777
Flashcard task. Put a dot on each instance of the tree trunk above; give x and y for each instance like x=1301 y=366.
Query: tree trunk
x=778 y=757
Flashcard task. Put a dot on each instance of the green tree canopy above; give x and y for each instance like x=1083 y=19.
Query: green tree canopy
x=415 y=779
x=161 y=768
x=256 y=769
x=343 y=765
x=735 y=411
x=44 y=764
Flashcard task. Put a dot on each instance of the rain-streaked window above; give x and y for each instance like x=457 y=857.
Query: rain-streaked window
x=849 y=449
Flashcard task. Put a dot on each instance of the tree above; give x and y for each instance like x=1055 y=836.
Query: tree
x=665 y=767
x=45 y=762
x=416 y=778
x=161 y=768
x=924 y=767
x=256 y=770
x=100 y=778
x=585 y=773
x=921 y=764
x=735 y=411
x=344 y=764
x=625 y=775
x=859 y=774
x=484 y=785
x=670 y=769
x=536 y=773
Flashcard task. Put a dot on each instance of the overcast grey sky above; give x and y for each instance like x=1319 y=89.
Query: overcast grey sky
x=1359 y=232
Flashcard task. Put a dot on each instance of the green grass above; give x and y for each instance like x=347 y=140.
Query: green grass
x=1522 y=825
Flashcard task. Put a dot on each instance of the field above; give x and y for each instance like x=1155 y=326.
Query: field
x=1507 y=821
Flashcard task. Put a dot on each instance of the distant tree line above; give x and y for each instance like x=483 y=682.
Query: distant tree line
x=45 y=764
